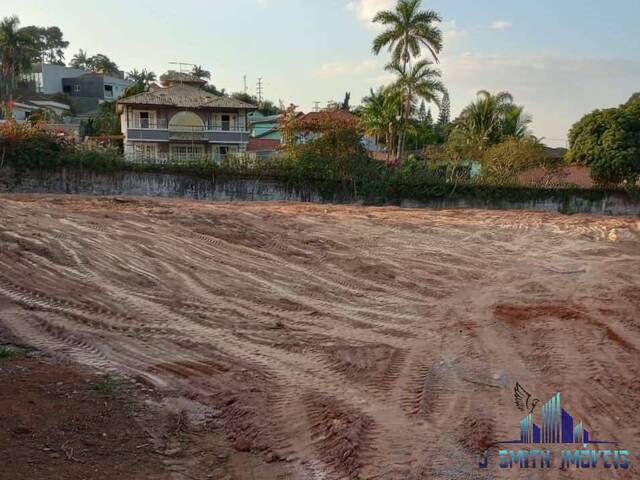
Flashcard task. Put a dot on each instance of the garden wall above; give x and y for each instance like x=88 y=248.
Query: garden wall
x=88 y=182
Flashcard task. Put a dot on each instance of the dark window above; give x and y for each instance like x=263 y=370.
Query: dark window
x=66 y=89
x=108 y=90
x=226 y=122
x=144 y=119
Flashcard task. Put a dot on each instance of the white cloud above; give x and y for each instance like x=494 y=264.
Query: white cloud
x=365 y=10
x=501 y=25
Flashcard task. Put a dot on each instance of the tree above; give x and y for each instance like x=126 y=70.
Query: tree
x=408 y=30
x=201 y=73
x=420 y=81
x=143 y=76
x=635 y=98
x=490 y=119
x=422 y=111
x=608 y=141
x=101 y=63
x=17 y=49
x=429 y=118
x=444 y=118
x=80 y=60
x=49 y=44
x=504 y=161
x=244 y=97
x=345 y=103
x=380 y=114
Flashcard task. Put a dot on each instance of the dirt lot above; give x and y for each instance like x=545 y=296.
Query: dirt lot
x=269 y=341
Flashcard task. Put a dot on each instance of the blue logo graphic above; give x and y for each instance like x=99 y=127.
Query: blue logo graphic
x=555 y=426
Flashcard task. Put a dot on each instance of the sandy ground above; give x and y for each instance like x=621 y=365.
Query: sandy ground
x=336 y=342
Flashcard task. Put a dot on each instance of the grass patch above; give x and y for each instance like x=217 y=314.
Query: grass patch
x=107 y=385
x=8 y=352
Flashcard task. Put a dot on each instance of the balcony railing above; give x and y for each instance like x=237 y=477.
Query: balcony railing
x=177 y=159
x=141 y=124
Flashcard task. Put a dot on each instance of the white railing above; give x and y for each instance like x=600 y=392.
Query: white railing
x=139 y=124
x=175 y=159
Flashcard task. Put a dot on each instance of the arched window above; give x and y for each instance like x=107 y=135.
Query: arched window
x=186 y=122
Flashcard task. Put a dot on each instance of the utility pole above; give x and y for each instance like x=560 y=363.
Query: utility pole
x=260 y=89
x=245 y=84
x=316 y=106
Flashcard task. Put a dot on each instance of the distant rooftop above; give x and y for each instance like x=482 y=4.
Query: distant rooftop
x=185 y=96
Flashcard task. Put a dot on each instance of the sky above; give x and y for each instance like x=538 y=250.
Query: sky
x=559 y=58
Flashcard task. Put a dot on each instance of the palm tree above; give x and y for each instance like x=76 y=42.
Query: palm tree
x=380 y=115
x=143 y=76
x=408 y=30
x=80 y=60
x=489 y=118
x=420 y=82
x=201 y=73
x=17 y=49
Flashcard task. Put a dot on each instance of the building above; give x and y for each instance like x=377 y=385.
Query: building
x=46 y=79
x=182 y=122
x=263 y=148
x=95 y=85
x=266 y=127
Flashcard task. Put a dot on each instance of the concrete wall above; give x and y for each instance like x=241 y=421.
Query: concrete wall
x=52 y=76
x=170 y=185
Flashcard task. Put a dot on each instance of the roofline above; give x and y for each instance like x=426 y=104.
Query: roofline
x=156 y=105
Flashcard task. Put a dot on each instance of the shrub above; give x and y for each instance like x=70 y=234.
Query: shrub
x=608 y=141
x=504 y=161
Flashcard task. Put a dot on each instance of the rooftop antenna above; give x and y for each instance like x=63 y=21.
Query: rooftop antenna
x=181 y=64
x=260 y=89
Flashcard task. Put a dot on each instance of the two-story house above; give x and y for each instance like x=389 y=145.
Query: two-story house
x=183 y=122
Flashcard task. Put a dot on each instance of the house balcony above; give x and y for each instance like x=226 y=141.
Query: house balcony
x=159 y=131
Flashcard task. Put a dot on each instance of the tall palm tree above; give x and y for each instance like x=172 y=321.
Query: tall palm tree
x=80 y=60
x=420 y=82
x=17 y=49
x=516 y=123
x=143 y=77
x=408 y=29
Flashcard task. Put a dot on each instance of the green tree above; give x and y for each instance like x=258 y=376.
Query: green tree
x=143 y=76
x=419 y=81
x=444 y=118
x=408 y=30
x=80 y=60
x=101 y=63
x=635 y=98
x=380 y=115
x=49 y=44
x=201 y=73
x=17 y=49
x=608 y=141
x=489 y=119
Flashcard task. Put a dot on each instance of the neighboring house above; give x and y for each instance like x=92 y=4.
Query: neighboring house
x=95 y=85
x=267 y=127
x=182 y=122
x=46 y=79
x=23 y=108
x=263 y=147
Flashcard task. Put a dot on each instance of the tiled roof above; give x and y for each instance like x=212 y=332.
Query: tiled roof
x=185 y=96
x=262 y=144
x=333 y=115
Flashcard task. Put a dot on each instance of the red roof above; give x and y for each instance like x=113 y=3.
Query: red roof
x=262 y=144
x=333 y=115
x=577 y=175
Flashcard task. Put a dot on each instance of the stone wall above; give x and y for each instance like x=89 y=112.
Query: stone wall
x=87 y=182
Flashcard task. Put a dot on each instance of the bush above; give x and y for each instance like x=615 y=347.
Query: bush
x=608 y=141
x=504 y=161
x=29 y=146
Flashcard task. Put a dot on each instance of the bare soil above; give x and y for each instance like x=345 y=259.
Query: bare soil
x=287 y=341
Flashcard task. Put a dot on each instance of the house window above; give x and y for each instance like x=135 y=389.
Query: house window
x=76 y=88
x=226 y=122
x=108 y=91
x=66 y=89
x=182 y=153
x=145 y=151
x=144 y=119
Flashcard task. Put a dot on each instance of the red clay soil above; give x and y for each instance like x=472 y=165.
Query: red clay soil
x=308 y=342
x=55 y=424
